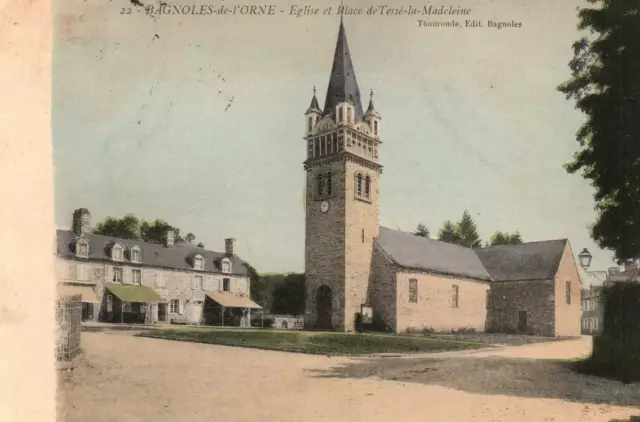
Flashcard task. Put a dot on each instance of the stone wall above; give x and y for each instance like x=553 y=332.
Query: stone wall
x=567 y=315
x=324 y=243
x=361 y=228
x=168 y=283
x=382 y=287
x=535 y=297
x=435 y=307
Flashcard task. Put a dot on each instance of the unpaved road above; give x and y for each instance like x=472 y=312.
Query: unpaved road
x=127 y=379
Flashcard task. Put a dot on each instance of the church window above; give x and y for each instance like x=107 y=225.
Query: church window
x=317 y=145
x=375 y=127
x=340 y=115
x=413 y=290
x=320 y=186
x=310 y=128
x=349 y=116
x=335 y=145
x=310 y=148
x=359 y=184
x=329 y=183
x=367 y=186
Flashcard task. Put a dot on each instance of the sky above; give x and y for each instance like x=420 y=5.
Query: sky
x=199 y=120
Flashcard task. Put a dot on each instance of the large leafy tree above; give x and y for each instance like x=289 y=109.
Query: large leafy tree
x=448 y=233
x=154 y=231
x=503 y=238
x=131 y=227
x=467 y=232
x=605 y=85
x=127 y=227
x=256 y=284
x=289 y=295
x=422 y=230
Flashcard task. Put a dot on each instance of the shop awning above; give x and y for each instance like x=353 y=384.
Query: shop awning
x=87 y=292
x=133 y=293
x=229 y=300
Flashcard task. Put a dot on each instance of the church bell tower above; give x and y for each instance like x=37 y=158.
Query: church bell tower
x=343 y=172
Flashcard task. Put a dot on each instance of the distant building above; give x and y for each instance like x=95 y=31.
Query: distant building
x=592 y=310
x=123 y=280
x=411 y=282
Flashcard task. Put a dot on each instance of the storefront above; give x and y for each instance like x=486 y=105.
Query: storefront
x=131 y=304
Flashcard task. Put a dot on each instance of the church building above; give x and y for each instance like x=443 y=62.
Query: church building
x=411 y=282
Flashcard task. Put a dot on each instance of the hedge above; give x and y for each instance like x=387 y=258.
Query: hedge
x=616 y=351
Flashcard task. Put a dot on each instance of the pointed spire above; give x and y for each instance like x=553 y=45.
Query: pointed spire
x=314 y=106
x=342 y=82
x=371 y=110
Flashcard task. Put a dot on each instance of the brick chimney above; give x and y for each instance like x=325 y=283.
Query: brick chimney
x=81 y=221
x=169 y=238
x=229 y=246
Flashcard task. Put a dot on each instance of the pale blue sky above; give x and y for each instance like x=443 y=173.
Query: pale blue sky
x=471 y=120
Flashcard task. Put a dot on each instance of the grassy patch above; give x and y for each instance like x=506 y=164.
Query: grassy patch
x=313 y=342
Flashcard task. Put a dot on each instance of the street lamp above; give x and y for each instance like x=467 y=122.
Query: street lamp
x=585 y=258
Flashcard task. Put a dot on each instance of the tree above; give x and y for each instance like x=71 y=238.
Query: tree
x=190 y=237
x=130 y=227
x=256 y=285
x=467 y=232
x=422 y=231
x=500 y=238
x=127 y=227
x=448 y=233
x=289 y=295
x=154 y=232
x=605 y=85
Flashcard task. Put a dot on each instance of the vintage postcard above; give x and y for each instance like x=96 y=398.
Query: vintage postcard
x=345 y=210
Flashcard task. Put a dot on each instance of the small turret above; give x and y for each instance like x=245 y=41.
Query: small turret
x=373 y=117
x=313 y=113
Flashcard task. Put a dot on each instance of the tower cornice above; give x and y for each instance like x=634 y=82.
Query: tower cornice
x=342 y=156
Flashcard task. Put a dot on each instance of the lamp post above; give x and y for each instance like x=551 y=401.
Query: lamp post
x=585 y=258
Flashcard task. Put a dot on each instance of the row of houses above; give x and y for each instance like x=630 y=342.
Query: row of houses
x=130 y=281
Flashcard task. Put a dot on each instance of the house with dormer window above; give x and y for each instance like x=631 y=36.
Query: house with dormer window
x=130 y=281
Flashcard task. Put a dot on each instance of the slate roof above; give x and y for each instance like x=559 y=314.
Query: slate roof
x=415 y=252
x=527 y=261
x=152 y=254
x=342 y=82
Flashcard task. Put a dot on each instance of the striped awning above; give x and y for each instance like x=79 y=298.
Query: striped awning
x=87 y=292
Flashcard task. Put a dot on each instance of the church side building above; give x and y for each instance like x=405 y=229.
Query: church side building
x=412 y=283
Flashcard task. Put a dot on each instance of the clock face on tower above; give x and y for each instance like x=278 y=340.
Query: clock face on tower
x=324 y=206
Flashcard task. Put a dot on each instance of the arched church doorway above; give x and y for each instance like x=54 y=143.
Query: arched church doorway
x=324 y=298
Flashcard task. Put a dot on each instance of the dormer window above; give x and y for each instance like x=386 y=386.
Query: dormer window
x=82 y=248
x=117 y=252
x=135 y=255
x=226 y=266
x=198 y=262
